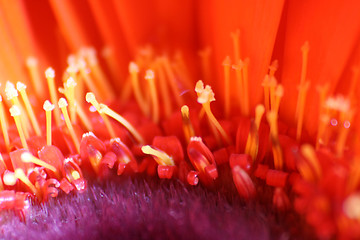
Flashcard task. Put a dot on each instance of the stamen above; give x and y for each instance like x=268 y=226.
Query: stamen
x=15 y=113
x=236 y=43
x=21 y=88
x=313 y=170
x=301 y=108
x=102 y=83
x=187 y=126
x=90 y=98
x=227 y=93
x=246 y=86
x=343 y=133
x=12 y=95
x=205 y=96
x=172 y=81
x=50 y=77
x=279 y=93
x=159 y=156
x=266 y=85
x=62 y=105
x=19 y=174
x=205 y=63
x=110 y=59
x=109 y=112
x=322 y=113
x=134 y=74
x=48 y=107
x=87 y=78
x=252 y=143
x=272 y=88
x=240 y=85
x=276 y=148
x=149 y=76
x=273 y=67
x=83 y=117
x=27 y=157
x=37 y=83
x=163 y=89
x=69 y=88
x=4 y=125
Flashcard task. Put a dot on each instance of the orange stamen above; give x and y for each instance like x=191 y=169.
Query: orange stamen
x=62 y=105
x=4 y=125
x=12 y=95
x=101 y=81
x=159 y=156
x=37 y=82
x=134 y=74
x=15 y=113
x=277 y=153
x=48 y=107
x=236 y=43
x=21 y=88
x=27 y=157
x=150 y=77
x=266 y=86
x=187 y=126
x=172 y=81
x=312 y=170
x=227 y=92
x=69 y=91
x=205 y=96
x=109 y=112
x=205 y=63
x=301 y=108
x=90 y=98
x=50 y=77
x=164 y=89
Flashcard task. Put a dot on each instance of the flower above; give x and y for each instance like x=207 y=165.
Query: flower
x=284 y=120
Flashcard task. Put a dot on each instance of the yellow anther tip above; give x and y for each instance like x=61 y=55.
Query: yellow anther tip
x=70 y=82
x=133 y=67
x=49 y=73
x=260 y=109
x=20 y=86
x=62 y=103
x=10 y=90
x=146 y=149
x=185 y=109
x=149 y=75
x=15 y=111
x=227 y=61
x=31 y=61
x=90 y=97
x=9 y=179
x=48 y=106
x=26 y=157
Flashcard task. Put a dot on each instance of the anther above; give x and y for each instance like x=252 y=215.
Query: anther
x=149 y=76
x=27 y=157
x=21 y=88
x=187 y=126
x=205 y=96
x=90 y=98
x=48 y=107
x=159 y=156
x=50 y=77
x=69 y=90
x=311 y=169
